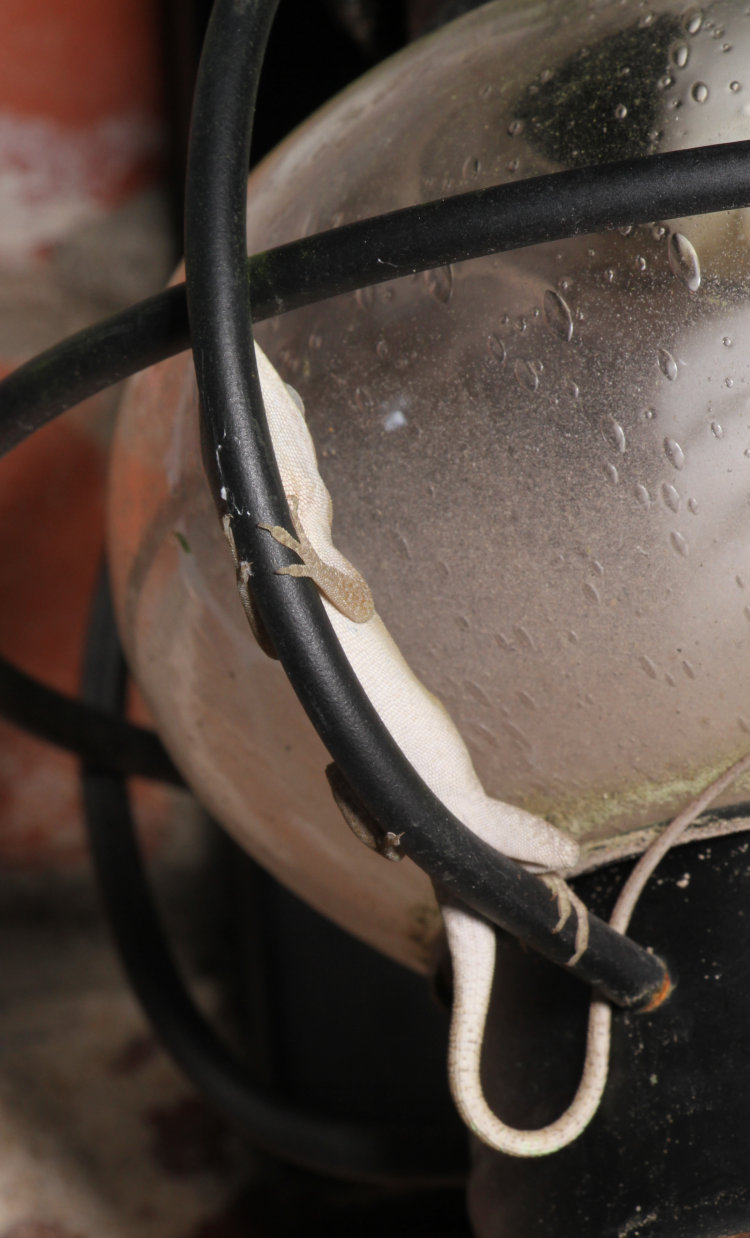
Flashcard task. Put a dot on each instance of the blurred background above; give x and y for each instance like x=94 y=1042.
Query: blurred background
x=99 y=1134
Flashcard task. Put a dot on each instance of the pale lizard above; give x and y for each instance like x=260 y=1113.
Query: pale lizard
x=428 y=738
x=415 y=718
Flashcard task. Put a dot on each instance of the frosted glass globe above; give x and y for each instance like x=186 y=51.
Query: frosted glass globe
x=540 y=460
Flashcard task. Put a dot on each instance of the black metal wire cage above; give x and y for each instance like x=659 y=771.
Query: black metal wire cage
x=213 y=313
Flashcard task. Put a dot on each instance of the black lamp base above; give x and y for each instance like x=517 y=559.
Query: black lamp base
x=668 y=1154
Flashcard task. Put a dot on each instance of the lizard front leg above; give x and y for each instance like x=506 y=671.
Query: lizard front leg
x=344 y=587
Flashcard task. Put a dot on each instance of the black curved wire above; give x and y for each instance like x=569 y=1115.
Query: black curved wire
x=547 y=208
x=367 y=252
x=100 y=739
x=398 y=1153
x=247 y=488
x=371 y=251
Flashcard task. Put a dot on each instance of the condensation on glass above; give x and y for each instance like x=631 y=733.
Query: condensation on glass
x=540 y=460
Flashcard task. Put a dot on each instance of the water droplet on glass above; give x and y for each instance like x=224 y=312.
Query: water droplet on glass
x=394 y=421
x=688 y=669
x=648 y=666
x=625 y=230
x=728 y=382
x=643 y=496
x=699 y=92
x=473 y=689
x=590 y=592
x=526 y=375
x=674 y=453
x=746 y=452
x=691 y=22
x=381 y=349
x=665 y=82
x=472 y=167
x=517 y=736
x=679 y=543
x=515 y=128
x=609 y=275
x=735 y=87
x=739 y=582
x=717 y=430
x=315 y=340
x=557 y=314
x=520 y=325
x=658 y=232
x=363 y=400
x=612 y=473
x=620 y=111
x=684 y=261
x=679 y=55
x=667 y=364
x=513 y=165
x=365 y=297
x=524 y=637
x=573 y=389
x=693 y=506
x=671 y=497
x=649 y=414
x=496 y=348
x=440 y=283
x=614 y=433
x=641 y=263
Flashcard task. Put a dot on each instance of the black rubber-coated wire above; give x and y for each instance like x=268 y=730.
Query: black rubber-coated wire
x=402 y=242
x=104 y=741
x=548 y=208
x=247 y=488
x=302 y=272
x=403 y=1153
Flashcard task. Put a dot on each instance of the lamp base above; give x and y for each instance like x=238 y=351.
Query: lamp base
x=667 y=1154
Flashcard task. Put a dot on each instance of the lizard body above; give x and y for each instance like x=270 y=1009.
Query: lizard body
x=428 y=738
x=419 y=723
